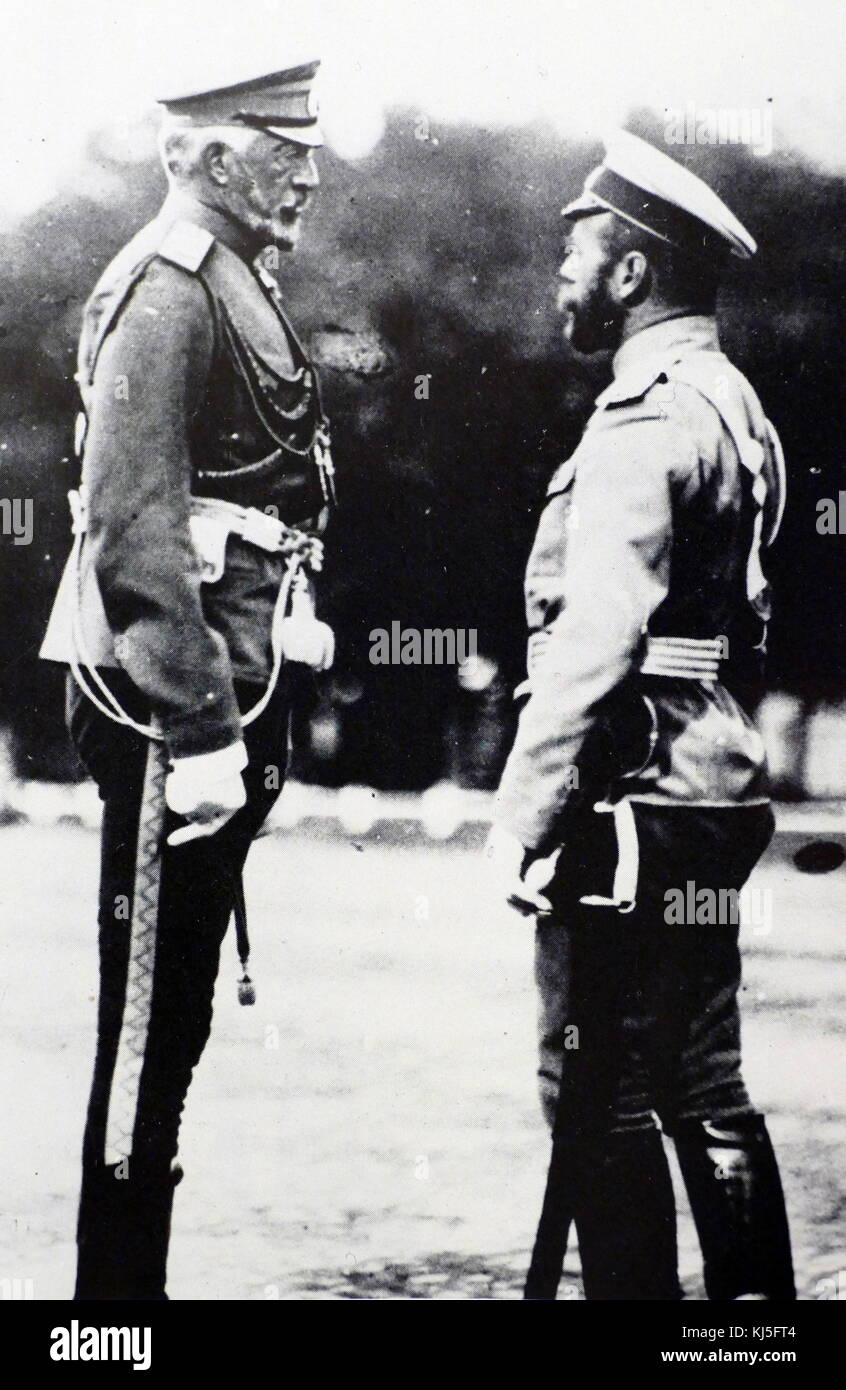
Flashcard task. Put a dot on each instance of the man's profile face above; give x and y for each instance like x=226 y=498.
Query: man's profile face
x=593 y=318
x=272 y=182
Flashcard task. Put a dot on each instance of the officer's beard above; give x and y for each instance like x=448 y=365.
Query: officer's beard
x=595 y=323
x=260 y=214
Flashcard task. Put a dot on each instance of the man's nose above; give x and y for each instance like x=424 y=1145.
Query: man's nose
x=307 y=175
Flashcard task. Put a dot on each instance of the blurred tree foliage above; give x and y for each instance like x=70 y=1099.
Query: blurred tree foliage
x=446 y=247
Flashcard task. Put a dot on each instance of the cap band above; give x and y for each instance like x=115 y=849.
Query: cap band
x=654 y=214
x=295 y=122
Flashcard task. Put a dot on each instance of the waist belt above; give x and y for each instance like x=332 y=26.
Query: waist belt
x=249 y=523
x=213 y=521
x=682 y=658
x=688 y=658
x=298 y=637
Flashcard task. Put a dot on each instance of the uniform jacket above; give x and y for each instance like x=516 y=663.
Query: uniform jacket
x=193 y=384
x=650 y=529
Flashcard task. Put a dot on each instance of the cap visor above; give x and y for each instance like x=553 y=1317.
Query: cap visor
x=311 y=136
x=583 y=206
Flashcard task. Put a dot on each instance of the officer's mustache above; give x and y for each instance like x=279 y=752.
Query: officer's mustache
x=297 y=208
x=252 y=190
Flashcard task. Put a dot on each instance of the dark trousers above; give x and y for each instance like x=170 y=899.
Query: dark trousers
x=125 y=1203
x=655 y=1001
x=639 y=1019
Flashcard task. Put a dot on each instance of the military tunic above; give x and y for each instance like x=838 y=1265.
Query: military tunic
x=194 y=385
x=648 y=530
x=653 y=528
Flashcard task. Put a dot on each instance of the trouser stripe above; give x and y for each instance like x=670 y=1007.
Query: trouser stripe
x=135 y=1023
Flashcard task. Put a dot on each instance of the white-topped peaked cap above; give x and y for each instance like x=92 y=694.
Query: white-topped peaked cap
x=282 y=103
x=644 y=186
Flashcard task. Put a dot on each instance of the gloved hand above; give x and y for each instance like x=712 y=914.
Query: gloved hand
x=516 y=876
x=207 y=789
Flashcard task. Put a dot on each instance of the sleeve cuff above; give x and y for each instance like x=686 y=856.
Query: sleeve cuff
x=213 y=767
x=213 y=727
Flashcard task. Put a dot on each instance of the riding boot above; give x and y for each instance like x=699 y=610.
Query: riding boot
x=123 y=1234
x=619 y=1192
x=733 y=1184
x=625 y=1219
x=556 y=1217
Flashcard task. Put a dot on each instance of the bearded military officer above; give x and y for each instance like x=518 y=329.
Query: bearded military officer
x=634 y=756
x=184 y=613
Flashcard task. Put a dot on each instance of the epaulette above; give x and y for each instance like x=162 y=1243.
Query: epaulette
x=632 y=385
x=186 y=245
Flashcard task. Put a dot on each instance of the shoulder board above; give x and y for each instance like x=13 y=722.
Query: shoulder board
x=632 y=385
x=562 y=477
x=186 y=245
x=694 y=368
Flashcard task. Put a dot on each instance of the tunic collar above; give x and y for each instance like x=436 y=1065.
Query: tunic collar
x=182 y=207
x=690 y=333
x=642 y=358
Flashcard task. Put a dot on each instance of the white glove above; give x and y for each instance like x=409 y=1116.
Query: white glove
x=207 y=789
x=521 y=888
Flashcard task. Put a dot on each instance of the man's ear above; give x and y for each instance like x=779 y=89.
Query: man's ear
x=632 y=278
x=216 y=163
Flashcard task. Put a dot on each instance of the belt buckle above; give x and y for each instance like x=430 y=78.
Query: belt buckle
x=263 y=530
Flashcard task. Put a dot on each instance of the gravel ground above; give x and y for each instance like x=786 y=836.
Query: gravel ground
x=369 y=1129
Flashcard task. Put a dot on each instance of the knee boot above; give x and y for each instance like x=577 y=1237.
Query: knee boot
x=550 y=1248
x=619 y=1193
x=123 y=1234
x=733 y=1184
x=626 y=1221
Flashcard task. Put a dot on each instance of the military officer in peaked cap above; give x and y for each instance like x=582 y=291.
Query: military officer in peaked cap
x=184 y=613
x=635 y=761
